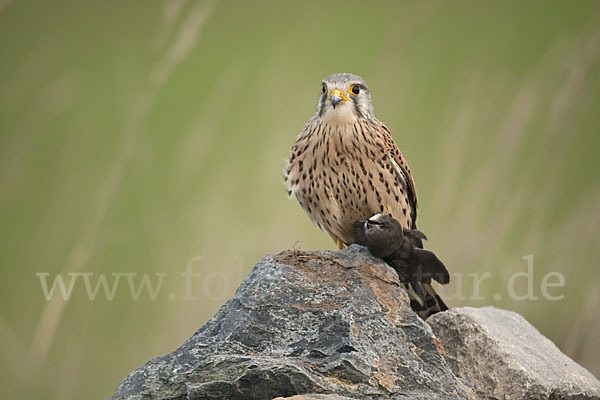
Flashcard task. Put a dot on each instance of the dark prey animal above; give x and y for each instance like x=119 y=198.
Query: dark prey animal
x=403 y=250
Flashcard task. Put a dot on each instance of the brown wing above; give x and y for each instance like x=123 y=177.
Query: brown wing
x=404 y=170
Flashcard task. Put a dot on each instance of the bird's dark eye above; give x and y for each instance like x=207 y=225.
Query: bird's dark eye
x=323 y=89
x=355 y=89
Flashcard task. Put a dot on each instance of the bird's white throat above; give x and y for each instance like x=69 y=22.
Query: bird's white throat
x=343 y=114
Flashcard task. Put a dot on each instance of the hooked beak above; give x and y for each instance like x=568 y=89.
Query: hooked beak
x=337 y=97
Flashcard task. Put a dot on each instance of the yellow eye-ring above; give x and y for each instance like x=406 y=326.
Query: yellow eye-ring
x=354 y=89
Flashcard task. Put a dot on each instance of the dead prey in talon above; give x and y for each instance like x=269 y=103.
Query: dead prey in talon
x=344 y=166
x=401 y=248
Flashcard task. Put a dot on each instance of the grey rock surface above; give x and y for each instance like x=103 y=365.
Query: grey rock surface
x=507 y=358
x=307 y=322
x=314 y=397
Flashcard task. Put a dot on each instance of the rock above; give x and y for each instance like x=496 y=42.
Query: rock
x=507 y=358
x=307 y=322
x=314 y=397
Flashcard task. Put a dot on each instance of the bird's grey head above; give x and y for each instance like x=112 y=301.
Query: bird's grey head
x=344 y=98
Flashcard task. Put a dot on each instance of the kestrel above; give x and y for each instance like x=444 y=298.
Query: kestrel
x=344 y=166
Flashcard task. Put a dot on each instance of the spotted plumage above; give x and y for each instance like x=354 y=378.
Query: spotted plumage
x=344 y=165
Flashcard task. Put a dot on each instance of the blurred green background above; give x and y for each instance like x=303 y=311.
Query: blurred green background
x=143 y=136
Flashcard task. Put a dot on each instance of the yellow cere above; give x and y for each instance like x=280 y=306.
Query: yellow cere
x=339 y=93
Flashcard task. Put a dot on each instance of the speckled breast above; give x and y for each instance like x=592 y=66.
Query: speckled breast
x=343 y=174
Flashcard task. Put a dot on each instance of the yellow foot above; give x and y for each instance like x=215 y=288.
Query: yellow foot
x=340 y=245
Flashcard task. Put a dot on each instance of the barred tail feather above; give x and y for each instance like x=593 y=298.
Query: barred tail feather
x=423 y=299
